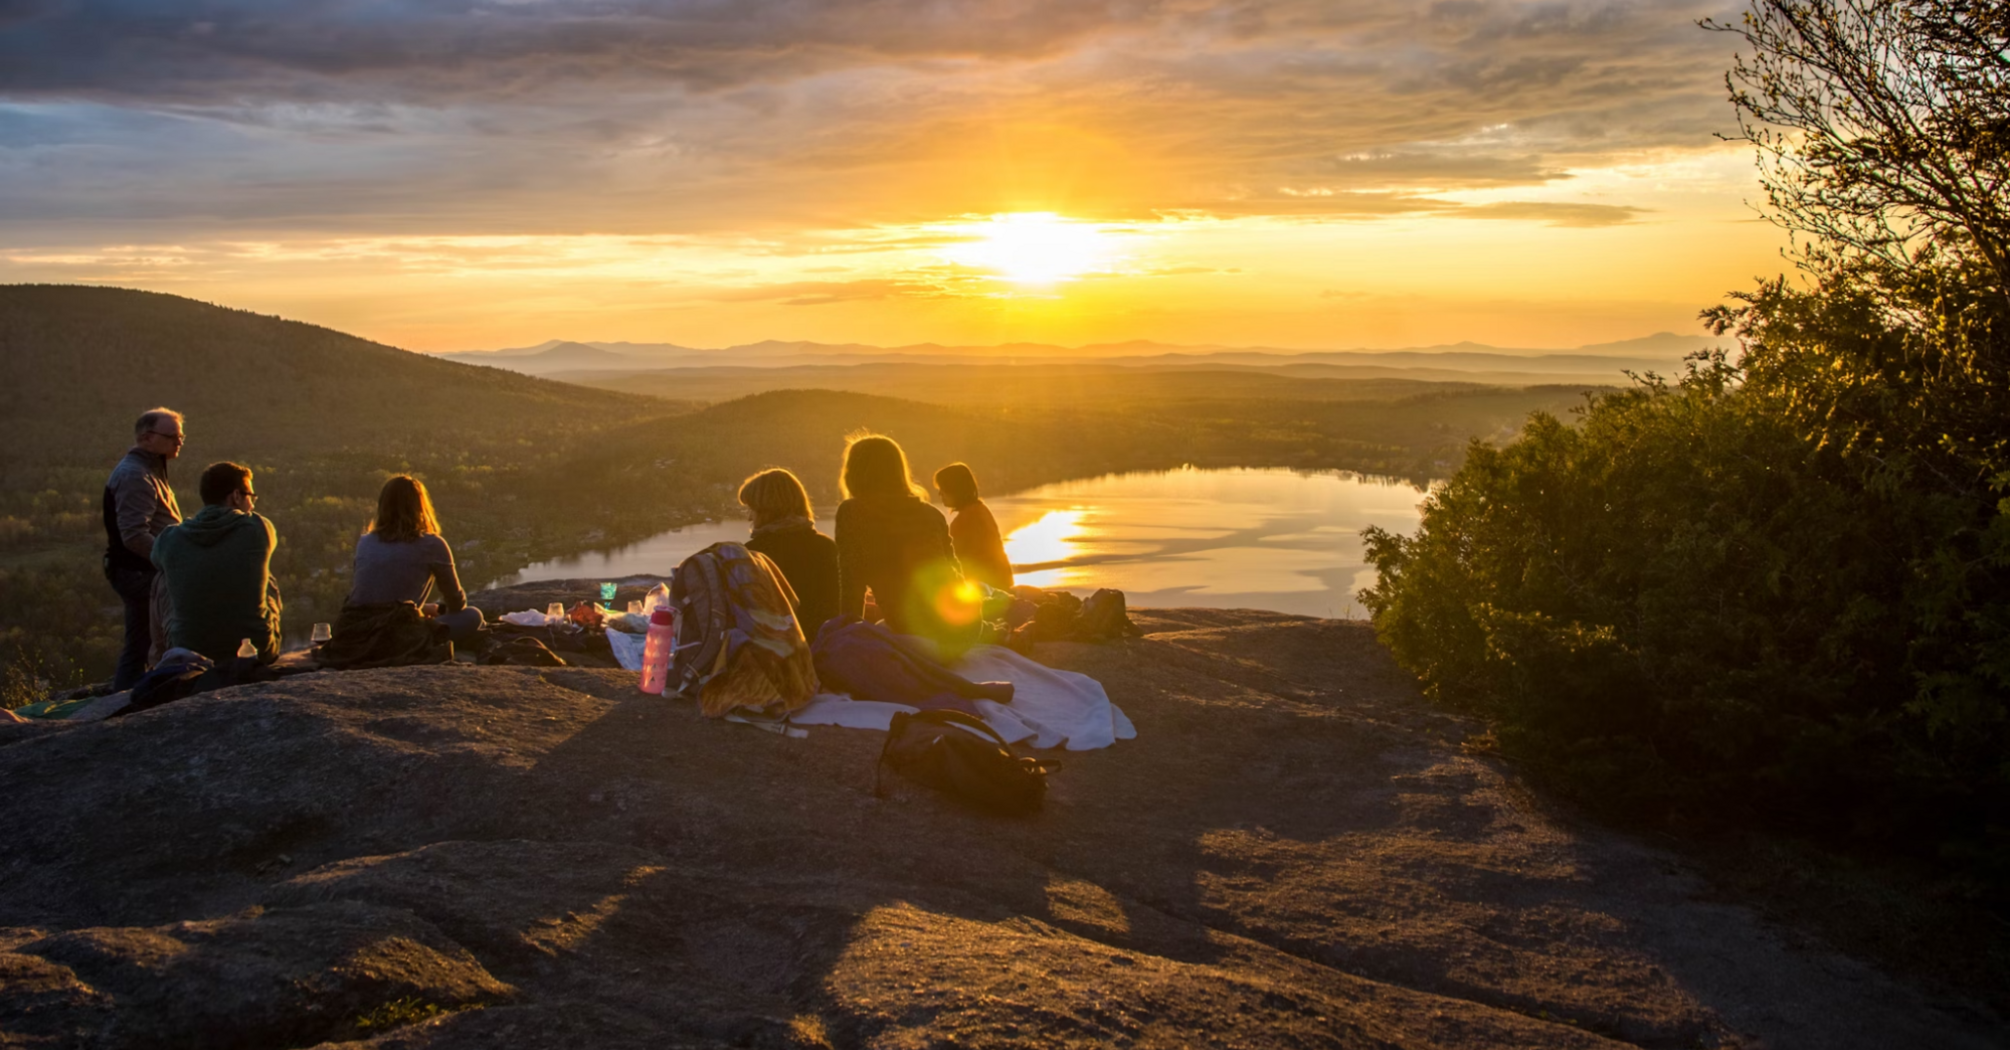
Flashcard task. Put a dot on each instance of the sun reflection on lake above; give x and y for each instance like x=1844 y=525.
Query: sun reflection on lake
x=1051 y=538
x=1252 y=538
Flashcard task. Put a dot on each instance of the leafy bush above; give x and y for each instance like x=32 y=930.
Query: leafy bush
x=1685 y=606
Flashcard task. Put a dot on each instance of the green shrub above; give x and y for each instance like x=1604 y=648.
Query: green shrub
x=1684 y=605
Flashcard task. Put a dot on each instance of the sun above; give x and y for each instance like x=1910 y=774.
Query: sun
x=1035 y=248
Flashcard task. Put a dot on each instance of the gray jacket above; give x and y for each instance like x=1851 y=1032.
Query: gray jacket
x=138 y=503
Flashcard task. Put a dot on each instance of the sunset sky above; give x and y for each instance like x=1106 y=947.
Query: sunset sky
x=471 y=174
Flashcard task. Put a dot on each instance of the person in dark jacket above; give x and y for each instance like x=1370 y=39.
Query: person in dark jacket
x=785 y=530
x=139 y=505
x=402 y=557
x=973 y=531
x=217 y=567
x=893 y=543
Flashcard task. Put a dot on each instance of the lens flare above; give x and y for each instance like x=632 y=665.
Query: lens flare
x=959 y=604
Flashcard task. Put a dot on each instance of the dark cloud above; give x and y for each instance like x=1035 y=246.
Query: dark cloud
x=696 y=115
x=1370 y=205
x=1552 y=213
x=317 y=50
x=1464 y=167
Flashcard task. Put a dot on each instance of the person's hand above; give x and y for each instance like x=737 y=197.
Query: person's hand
x=430 y=609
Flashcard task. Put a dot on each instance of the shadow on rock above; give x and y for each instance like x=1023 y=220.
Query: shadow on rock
x=1294 y=852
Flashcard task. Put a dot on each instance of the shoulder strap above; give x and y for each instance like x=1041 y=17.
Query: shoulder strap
x=945 y=716
x=893 y=731
x=704 y=609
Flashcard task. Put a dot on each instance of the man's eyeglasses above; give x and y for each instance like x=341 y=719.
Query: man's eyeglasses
x=176 y=438
x=248 y=494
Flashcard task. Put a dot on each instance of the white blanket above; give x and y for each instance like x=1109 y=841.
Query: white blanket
x=1049 y=708
x=1055 y=708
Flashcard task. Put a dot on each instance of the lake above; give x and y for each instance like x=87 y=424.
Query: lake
x=1274 y=539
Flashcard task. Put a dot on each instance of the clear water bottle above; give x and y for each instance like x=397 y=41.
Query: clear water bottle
x=657 y=648
x=657 y=598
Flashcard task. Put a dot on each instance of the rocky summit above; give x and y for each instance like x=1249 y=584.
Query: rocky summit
x=1296 y=851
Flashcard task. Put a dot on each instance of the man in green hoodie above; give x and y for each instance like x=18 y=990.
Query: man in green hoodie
x=218 y=568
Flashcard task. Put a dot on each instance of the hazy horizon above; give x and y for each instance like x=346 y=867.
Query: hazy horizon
x=1111 y=349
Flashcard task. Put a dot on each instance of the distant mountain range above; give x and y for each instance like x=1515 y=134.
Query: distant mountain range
x=1655 y=352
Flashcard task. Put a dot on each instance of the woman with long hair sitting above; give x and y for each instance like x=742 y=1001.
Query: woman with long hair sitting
x=785 y=530
x=401 y=557
x=973 y=532
x=892 y=542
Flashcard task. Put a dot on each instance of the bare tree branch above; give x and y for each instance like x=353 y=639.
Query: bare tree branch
x=1882 y=126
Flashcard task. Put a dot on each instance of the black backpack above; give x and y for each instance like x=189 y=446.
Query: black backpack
x=1104 y=618
x=932 y=748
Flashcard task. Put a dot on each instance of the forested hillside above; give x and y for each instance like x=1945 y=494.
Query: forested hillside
x=322 y=417
x=524 y=469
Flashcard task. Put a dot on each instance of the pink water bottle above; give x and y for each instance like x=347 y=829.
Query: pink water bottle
x=656 y=649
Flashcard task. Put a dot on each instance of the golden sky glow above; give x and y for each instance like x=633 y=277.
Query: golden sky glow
x=1289 y=173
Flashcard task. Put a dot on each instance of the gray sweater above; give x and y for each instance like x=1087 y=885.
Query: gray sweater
x=404 y=572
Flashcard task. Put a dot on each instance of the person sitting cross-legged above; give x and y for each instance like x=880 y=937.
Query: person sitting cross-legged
x=402 y=557
x=217 y=567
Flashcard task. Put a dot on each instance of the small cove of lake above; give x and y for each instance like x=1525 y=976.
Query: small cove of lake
x=1276 y=539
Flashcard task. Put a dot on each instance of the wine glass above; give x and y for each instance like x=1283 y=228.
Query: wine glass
x=321 y=633
x=607 y=594
x=555 y=612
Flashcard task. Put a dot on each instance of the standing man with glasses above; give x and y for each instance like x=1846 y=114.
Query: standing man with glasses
x=139 y=505
x=217 y=567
